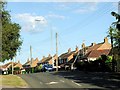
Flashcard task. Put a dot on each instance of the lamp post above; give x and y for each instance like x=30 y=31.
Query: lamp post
x=38 y=20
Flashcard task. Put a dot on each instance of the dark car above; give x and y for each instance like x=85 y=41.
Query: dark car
x=47 y=67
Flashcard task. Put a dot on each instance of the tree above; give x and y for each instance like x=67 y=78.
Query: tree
x=11 y=40
x=116 y=38
x=117 y=30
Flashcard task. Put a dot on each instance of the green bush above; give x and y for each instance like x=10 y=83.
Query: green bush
x=16 y=68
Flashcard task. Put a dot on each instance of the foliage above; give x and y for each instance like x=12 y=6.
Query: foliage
x=101 y=64
x=40 y=67
x=33 y=70
x=16 y=68
x=109 y=59
x=114 y=34
x=11 y=40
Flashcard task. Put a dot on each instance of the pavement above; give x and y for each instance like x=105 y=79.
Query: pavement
x=73 y=79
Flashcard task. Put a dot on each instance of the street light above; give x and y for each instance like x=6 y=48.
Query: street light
x=39 y=20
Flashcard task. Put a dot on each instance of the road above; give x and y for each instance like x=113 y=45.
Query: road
x=47 y=80
x=71 y=80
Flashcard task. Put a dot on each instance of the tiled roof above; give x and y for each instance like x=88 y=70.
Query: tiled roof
x=97 y=53
x=27 y=63
x=18 y=65
x=95 y=47
x=49 y=58
x=34 y=62
x=8 y=65
x=96 y=50
x=66 y=55
x=46 y=59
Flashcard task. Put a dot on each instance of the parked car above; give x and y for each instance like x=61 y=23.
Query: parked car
x=47 y=67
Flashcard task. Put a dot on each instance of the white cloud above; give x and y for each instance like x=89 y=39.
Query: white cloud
x=55 y=16
x=87 y=7
x=30 y=22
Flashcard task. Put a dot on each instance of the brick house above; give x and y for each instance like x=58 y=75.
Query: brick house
x=29 y=64
x=48 y=60
x=94 y=51
x=8 y=66
x=67 y=58
x=18 y=65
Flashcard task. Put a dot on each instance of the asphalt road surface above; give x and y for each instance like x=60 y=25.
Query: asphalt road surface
x=71 y=80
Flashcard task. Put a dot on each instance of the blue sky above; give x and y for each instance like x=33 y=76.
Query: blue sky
x=74 y=22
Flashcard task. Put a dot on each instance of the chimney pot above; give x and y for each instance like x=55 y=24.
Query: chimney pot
x=43 y=57
x=105 y=40
x=69 y=50
x=28 y=60
x=92 y=44
x=83 y=45
x=77 y=49
x=18 y=61
x=49 y=55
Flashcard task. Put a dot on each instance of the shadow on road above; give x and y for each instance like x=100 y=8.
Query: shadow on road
x=100 y=79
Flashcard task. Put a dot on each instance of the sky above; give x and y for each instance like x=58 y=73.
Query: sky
x=75 y=23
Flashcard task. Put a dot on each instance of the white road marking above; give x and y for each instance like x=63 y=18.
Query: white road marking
x=62 y=81
x=52 y=83
x=76 y=83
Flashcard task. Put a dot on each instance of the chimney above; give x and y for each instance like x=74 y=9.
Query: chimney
x=49 y=55
x=37 y=59
x=18 y=61
x=92 y=44
x=43 y=57
x=77 y=49
x=83 y=45
x=69 y=50
x=32 y=59
x=105 y=40
x=28 y=60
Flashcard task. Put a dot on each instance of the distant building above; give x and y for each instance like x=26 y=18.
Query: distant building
x=94 y=51
x=46 y=60
x=31 y=64
x=8 y=66
x=68 y=57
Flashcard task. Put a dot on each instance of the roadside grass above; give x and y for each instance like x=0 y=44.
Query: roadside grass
x=12 y=81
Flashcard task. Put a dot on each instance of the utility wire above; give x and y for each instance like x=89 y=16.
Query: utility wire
x=102 y=13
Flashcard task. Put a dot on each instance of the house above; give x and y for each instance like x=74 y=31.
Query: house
x=67 y=58
x=30 y=63
x=48 y=60
x=18 y=64
x=8 y=66
x=94 y=51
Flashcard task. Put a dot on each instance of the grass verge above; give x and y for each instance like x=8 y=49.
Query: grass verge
x=12 y=81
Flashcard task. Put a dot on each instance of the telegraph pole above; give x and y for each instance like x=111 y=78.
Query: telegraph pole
x=56 y=52
x=31 y=55
x=12 y=66
x=52 y=48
